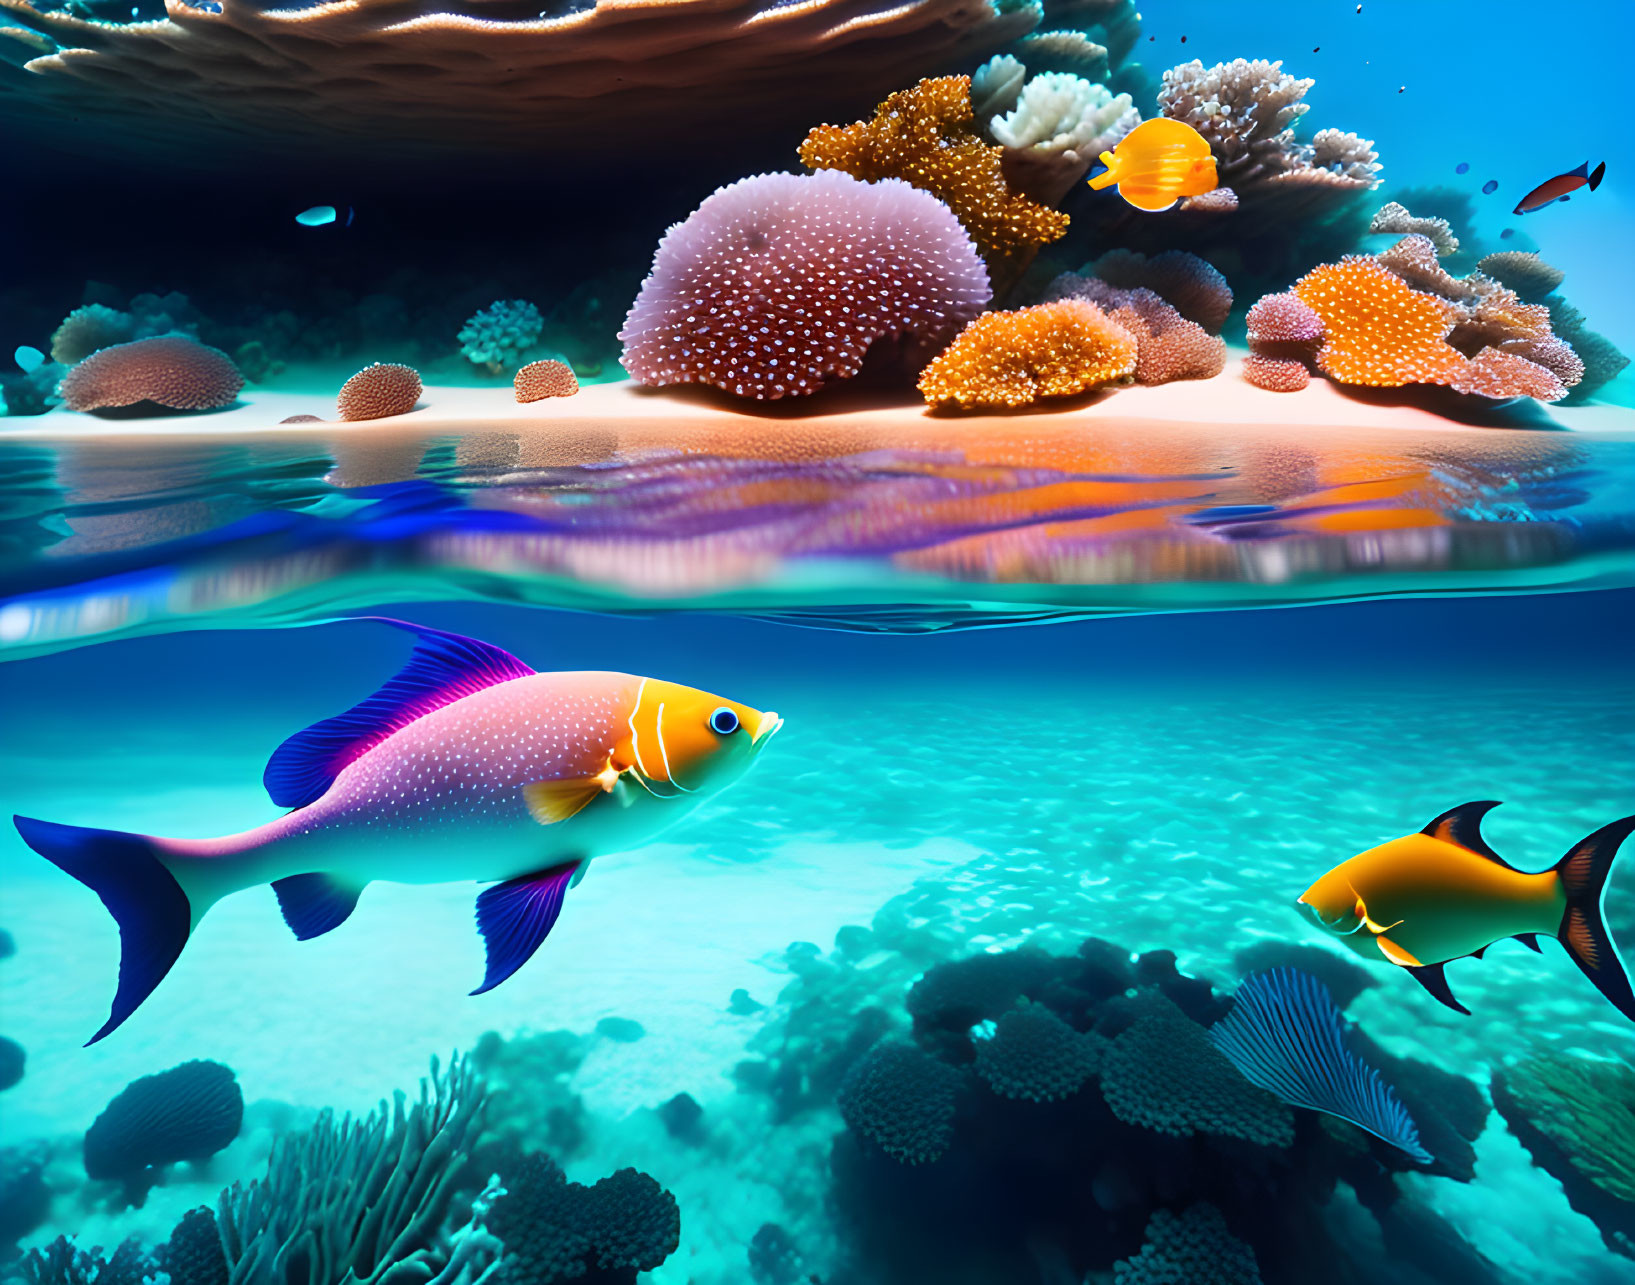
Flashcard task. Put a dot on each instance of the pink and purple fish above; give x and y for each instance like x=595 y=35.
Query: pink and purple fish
x=468 y=765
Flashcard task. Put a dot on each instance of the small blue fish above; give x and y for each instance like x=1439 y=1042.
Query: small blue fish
x=1462 y=168
x=1490 y=187
x=1507 y=234
x=316 y=217
x=28 y=359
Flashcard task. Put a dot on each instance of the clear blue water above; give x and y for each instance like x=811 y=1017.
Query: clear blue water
x=1075 y=706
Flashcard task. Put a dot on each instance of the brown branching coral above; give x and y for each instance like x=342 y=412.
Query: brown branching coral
x=924 y=136
x=1247 y=111
x=473 y=76
x=1013 y=359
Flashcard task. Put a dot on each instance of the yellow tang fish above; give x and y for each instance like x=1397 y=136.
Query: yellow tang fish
x=1443 y=894
x=1157 y=163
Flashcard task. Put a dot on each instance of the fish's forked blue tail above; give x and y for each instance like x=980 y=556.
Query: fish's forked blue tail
x=152 y=911
x=1583 y=929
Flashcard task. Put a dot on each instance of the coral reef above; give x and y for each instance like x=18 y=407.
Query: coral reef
x=1394 y=218
x=1035 y=1056
x=902 y=1100
x=1377 y=330
x=1285 y=1034
x=189 y=1112
x=497 y=336
x=371 y=79
x=778 y=285
x=88 y=328
x=924 y=136
x=1057 y=127
x=1522 y=271
x=1192 y=286
x=1576 y=1117
x=359 y=1200
x=170 y=371
x=31 y=392
x=1194 y=1247
x=1013 y=359
x=192 y=1255
x=1496 y=374
x=555 y=1230
x=62 y=1262
x=25 y=1197
x=541 y=379
x=530 y=1098
x=1168 y=345
x=1276 y=374
x=379 y=391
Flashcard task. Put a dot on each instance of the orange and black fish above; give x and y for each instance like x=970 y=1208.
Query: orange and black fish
x=1560 y=187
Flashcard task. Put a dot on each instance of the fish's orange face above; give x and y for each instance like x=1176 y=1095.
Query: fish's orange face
x=1334 y=906
x=684 y=741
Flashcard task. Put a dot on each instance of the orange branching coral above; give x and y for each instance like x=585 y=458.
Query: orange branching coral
x=378 y=391
x=1011 y=359
x=1491 y=373
x=924 y=135
x=1377 y=330
x=541 y=379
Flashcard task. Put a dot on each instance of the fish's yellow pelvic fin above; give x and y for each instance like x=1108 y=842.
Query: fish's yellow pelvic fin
x=552 y=801
x=1395 y=953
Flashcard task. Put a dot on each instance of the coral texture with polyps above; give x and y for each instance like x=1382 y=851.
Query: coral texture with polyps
x=1168 y=346
x=1377 y=330
x=173 y=371
x=1012 y=359
x=497 y=336
x=189 y=1112
x=903 y=1100
x=1192 y=286
x=1394 y=217
x=379 y=391
x=89 y=328
x=1524 y=272
x=924 y=136
x=1283 y=319
x=1276 y=374
x=374 y=77
x=1056 y=129
x=778 y=284
x=1247 y=111
x=1190 y=1248
x=1035 y=1056
x=541 y=379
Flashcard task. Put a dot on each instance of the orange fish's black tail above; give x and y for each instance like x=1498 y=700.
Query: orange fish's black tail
x=1583 y=929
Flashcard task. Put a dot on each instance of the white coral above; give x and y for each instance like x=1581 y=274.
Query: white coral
x=1060 y=124
x=996 y=85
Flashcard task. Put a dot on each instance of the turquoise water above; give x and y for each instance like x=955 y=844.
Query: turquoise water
x=1078 y=698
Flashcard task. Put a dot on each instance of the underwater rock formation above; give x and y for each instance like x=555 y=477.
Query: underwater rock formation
x=925 y=136
x=541 y=379
x=1576 y=1117
x=189 y=1112
x=171 y=371
x=778 y=285
x=382 y=77
x=497 y=336
x=1014 y=359
x=379 y=391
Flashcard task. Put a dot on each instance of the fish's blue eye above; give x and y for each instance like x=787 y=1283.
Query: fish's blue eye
x=723 y=722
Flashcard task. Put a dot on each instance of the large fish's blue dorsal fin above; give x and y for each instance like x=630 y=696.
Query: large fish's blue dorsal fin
x=1463 y=826
x=444 y=668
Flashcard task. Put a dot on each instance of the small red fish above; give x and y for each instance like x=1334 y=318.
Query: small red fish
x=1558 y=188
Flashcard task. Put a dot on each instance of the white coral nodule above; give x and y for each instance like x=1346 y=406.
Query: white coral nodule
x=1058 y=112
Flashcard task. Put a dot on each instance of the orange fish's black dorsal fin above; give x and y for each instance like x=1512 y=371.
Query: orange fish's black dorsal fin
x=1463 y=826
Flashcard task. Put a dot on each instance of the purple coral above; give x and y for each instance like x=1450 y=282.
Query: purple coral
x=1194 y=287
x=1283 y=319
x=778 y=284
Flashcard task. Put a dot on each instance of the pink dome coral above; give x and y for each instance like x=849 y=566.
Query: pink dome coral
x=1283 y=319
x=778 y=284
x=1276 y=374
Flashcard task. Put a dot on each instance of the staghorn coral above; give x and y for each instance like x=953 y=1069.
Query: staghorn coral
x=88 y=328
x=173 y=371
x=1192 y=286
x=189 y=1112
x=1576 y=1117
x=1013 y=359
x=379 y=391
x=1522 y=271
x=1394 y=218
x=498 y=335
x=381 y=77
x=1168 y=346
x=1163 y=1073
x=1276 y=374
x=1496 y=374
x=1056 y=129
x=1247 y=111
x=1034 y=1056
x=902 y=1100
x=359 y=1202
x=1190 y=1248
x=924 y=136
x=541 y=379
x=1378 y=331
x=777 y=285
x=554 y=1230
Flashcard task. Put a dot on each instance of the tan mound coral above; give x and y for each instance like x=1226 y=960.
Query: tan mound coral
x=1377 y=329
x=1013 y=359
x=471 y=76
x=541 y=379
x=1276 y=374
x=379 y=391
x=924 y=136
x=170 y=370
x=1492 y=373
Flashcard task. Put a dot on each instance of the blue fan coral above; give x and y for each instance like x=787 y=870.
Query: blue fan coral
x=1286 y=1035
x=497 y=336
